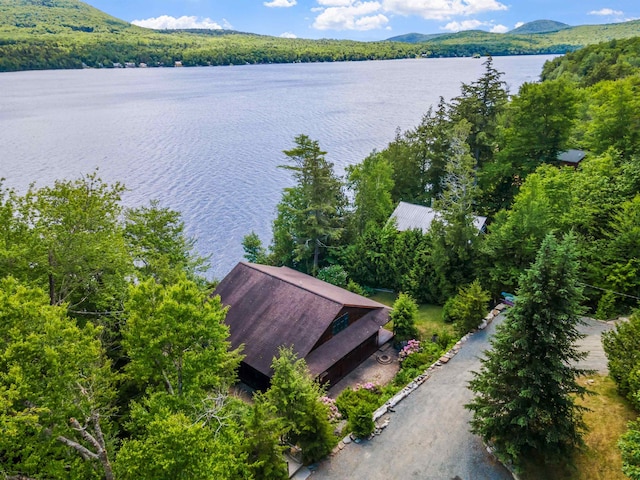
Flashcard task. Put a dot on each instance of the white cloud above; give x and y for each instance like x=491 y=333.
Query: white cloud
x=280 y=3
x=606 y=12
x=519 y=24
x=336 y=3
x=464 y=25
x=441 y=9
x=166 y=22
x=288 y=35
x=474 y=25
x=350 y=15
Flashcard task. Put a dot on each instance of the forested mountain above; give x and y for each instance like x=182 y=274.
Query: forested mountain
x=540 y=26
x=44 y=34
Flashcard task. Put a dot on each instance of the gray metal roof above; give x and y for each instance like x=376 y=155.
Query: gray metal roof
x=409 y=217
x=572 y=156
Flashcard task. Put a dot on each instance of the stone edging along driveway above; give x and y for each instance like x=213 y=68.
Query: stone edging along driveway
x=429 y=436
x=420 y=379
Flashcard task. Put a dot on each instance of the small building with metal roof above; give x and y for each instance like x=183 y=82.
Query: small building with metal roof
x=409 y=216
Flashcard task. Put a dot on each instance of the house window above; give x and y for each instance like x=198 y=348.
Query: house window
x=340 y=324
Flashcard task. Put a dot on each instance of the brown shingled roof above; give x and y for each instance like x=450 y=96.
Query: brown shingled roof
x=277 y=306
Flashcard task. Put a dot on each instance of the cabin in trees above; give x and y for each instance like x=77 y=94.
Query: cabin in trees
x=409 y=216
x=571 y=158
x=333 y=329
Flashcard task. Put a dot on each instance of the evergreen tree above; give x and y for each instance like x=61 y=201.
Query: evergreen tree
x=296 y=398
x=454 y=235
x=263 y=441
x=403 y=315
x=310 y=213
x=526 y=389
x=480 y=103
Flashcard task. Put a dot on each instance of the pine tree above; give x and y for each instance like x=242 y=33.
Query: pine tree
x=310 y=213
x=525 y=391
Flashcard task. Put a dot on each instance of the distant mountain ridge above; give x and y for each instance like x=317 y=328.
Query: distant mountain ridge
x=49 y=34
x=539 y=26
x=547 y=32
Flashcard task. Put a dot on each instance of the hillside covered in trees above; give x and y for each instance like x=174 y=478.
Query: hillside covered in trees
x=48 y=34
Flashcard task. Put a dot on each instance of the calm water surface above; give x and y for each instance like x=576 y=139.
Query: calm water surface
x=207 y=141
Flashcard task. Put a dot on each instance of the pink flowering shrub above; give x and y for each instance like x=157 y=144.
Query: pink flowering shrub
x=334 y=413
x=413 y=346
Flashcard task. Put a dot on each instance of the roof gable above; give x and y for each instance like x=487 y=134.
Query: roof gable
x=277 y=306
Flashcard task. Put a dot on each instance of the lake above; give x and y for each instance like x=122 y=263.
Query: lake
x=207 y=141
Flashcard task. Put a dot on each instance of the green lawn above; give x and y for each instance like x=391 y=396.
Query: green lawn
x=606 y=420
x=429 y=319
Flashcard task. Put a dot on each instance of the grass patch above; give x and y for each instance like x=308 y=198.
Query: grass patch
x=607 y=420
x=429 y=320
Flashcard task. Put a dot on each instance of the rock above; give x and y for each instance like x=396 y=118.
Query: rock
x=443 y=359
x=483 y=325
x=340 y=445
x=347 y=440
x=590 y=382
x=335 y=450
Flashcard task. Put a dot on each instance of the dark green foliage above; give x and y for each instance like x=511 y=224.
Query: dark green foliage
x=296 y=398
x=254 y=252
x=467 y=308
x=156 y=238
x=604 y=61
x=525 y=391
x=310 y=214
x=480 y=103
x=333 y=274
x=427 y=356
x=630 y=447
x=403 y=315
x=264 y=453
x=372 y=182
x=361 y=422
x=418 y=158
x=55 y=381
x=454 y=236
x=622 y=347
x=351 y=398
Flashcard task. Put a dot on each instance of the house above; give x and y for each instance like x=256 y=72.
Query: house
x=333 y=329
x=571 y=158
x=409 y=217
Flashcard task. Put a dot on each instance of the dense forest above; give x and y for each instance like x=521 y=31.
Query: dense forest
x=49 y=34
x=114 y=357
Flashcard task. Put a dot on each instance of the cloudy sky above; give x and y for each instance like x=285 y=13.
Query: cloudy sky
x=363 y=19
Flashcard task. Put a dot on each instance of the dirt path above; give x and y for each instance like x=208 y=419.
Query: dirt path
x=428 y=436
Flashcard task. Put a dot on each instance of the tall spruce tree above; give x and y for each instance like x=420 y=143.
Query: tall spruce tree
x=525 y=391
x=480 y=103
x=310 y=213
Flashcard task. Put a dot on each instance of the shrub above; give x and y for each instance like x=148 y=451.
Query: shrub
x=368 y=395
x=361 y=421
x=429 y=353
x=356 y=288
x=467 y=309
x=334 y=274
x=404 y=315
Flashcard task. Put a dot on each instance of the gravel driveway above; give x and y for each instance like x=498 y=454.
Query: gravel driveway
x=428 y=436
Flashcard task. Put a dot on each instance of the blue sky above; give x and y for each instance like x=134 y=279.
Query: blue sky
x=363 y=19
